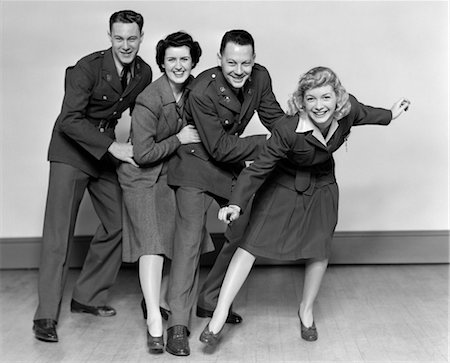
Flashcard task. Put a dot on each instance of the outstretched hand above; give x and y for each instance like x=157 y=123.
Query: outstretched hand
x=229 y=213
x=399 y=107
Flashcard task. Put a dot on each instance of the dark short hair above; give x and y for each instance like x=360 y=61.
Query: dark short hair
x=126 y=16
x=177 y=39
x=238 y=36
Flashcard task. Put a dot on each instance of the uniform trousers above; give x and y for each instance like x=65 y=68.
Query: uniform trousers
x=67 y=185
x=190 y=222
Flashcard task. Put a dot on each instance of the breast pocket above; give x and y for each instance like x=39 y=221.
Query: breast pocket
x=304 y=156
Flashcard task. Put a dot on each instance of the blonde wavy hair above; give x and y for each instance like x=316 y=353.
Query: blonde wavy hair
x=319 y=77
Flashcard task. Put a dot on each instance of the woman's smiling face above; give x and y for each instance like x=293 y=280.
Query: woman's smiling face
x=320 y=104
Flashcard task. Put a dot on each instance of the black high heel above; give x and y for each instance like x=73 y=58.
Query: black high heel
x=155 y=344
x=164 y=312
x=308 y=334
x=209 y=338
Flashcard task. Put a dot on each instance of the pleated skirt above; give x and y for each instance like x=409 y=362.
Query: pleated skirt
x=285 y=224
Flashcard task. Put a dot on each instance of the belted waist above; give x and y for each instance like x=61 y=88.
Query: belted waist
x=303 y=181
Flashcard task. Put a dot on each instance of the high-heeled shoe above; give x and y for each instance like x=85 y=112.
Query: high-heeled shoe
x=309 y=334
x=155 y=344
x=209 y=338
x=164 y=312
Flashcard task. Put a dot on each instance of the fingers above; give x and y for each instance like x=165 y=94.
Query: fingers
x=131 y=161
x=404 y=104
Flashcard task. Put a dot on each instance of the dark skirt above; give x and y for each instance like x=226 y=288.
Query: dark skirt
x=288 y=225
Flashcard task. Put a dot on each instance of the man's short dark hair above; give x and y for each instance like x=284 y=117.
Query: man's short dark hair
x=238 y=36
x=126 y=16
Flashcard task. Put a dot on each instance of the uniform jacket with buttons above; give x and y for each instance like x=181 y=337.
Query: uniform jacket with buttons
x=298 y=157
x=92 y=104
x=220 y=119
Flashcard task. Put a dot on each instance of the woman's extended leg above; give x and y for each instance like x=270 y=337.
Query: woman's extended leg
x=314 y=272
x=150 y=272
x=237 y=272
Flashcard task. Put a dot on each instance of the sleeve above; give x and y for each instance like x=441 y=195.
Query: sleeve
x=144 y=121
x=252 y=177
x=368 y=115
x=221 y=146
x=269 y=110
x=79 y=85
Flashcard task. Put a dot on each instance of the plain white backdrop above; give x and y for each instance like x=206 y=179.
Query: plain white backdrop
x=390 y=178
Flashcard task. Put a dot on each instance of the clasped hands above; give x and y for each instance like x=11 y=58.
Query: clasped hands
x=229 y=213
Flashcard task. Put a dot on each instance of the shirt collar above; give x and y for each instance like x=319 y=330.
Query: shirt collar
x=305 y=125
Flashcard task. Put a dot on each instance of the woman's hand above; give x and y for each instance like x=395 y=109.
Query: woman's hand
x=188 y=135
x=399 y=107
x=229 y=214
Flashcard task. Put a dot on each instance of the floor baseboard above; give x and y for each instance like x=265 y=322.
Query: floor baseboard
x=371 y=247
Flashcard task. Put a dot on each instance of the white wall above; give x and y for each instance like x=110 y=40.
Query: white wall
x=393 y=178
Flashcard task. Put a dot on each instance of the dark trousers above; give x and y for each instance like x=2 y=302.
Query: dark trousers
x=209 y=293
x=65 y=192
x=190 y=229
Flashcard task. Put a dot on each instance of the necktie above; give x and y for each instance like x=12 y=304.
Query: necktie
x=124 y=78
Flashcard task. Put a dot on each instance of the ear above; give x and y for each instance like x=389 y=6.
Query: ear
x=219 y=58
x=110 y=37
x=142 y=38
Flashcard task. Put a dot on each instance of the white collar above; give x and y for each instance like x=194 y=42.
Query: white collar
x=305 y=124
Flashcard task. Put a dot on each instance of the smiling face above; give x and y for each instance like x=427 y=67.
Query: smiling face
x=320 y=104
x=125 y=41
x=177 y=64
x=237 y=63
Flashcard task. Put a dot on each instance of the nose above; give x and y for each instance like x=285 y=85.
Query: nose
x=125 y=45
x=238 y=69
x=178 y=64
x=318 y=104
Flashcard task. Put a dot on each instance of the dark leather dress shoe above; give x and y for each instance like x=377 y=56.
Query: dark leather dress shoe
x=155 y=344
x=164 y=312
x=104 y=311
x=177 y=340
x=45 y=330
x=232 y=318
x=209 y=338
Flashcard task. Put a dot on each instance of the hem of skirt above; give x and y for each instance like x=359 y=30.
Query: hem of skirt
x=281 y=257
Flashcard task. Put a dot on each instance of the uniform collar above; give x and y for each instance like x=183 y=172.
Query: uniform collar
x=305 y=125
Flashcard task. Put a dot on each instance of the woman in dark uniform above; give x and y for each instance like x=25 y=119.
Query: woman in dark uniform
x=157 y=130
x=295 y=209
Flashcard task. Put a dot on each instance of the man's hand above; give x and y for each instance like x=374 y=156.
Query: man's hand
x=123 y=152
x=229 y=214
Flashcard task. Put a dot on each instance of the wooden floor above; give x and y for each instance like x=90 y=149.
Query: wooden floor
x=363 y=314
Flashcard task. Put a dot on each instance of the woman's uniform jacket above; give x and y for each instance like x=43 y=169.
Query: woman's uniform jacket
x=295 y=157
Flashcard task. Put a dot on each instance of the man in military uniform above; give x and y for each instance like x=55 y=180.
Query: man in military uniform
x=221 y=102
x=83 y=154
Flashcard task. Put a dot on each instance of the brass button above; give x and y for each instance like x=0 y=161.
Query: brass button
x=102 y=129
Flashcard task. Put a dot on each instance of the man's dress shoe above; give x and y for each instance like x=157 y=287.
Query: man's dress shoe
x=164 y=312
x=104 y=311
x=232 y=318
x=45 y=330
x=177 y=340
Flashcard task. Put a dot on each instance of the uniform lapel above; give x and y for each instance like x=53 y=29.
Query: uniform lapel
x=226 y=96
x=109 y=72
x=167 y=98
x=134 y=81
x=249 y=92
